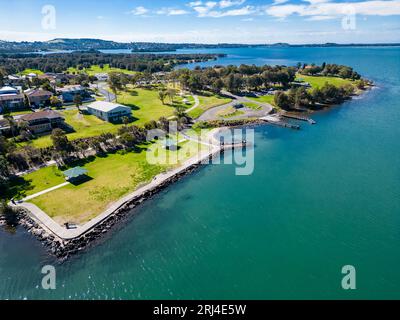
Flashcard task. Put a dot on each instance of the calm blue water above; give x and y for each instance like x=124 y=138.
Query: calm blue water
x=320 y=198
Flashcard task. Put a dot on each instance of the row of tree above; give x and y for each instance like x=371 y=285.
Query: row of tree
x=233 y=78
x=299 y=97
x=58 y=63
x=333 y=70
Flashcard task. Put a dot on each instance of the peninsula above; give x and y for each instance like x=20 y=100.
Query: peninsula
x=74 y=136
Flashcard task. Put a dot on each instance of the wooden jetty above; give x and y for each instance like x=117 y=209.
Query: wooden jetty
x=276 y=121
x=292 y=116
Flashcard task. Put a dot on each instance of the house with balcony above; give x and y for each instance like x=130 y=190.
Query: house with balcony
x=68 y=93
x=107 y=111
x=38 y=98
x=11 y=99
x=43 y=121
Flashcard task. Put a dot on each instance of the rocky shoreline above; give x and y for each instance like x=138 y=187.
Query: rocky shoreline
x=63 y=249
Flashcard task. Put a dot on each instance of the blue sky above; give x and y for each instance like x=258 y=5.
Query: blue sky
x=239 y=21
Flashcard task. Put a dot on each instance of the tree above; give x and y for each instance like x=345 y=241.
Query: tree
x=27 y=102
x=162 y=94
x=114 y=81
x=55 y=102
x=125 y=120
x=171 y=93
x=60 y=140
x=4 y=173
x=12 y=123
x=282 y=100
x=217 y=85
x=78 y=101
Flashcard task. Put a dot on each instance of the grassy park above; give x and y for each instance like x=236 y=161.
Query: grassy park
x=84 y=126
x=264 y=99
x=318 y=82
x=97 y=69
x=80 y=203
x=28 y=71
x=146 y=104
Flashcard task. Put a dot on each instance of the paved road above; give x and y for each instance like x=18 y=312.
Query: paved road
x=212 y=114
x=109 y=96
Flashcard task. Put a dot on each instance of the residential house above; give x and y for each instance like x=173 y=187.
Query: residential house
x=43 y=121
x=68 y=93
x=38 y=98
x=108 y=111
x=11 y=99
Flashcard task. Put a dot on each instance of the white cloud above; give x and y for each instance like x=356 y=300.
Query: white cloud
x=230 y=3
x=172 y=12
x=280 y=1
x=322 y=8
x=139 y=11
x=195 y=3
x=214 y=9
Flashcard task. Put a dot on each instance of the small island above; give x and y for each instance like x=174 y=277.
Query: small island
x=73 y=137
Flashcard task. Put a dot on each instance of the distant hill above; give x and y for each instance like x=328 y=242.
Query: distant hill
x=98 y=44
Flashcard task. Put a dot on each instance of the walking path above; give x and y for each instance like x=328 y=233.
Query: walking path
x=45 y=191
x=48 y=224
x=196 y=103
x=212 y=114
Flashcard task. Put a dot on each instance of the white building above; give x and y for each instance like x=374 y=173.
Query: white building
x=101 y=76
x=107 y=111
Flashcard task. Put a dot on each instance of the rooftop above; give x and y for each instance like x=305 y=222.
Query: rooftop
x=105 y=106
x=48 y=114
x=6 y=90
x=38 y=93
x=71 y=88
x=75 y=172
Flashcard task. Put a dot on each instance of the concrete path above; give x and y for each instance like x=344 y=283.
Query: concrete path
x=48 y=224
x=212 y=114
x=196 y=103
x=45 y=191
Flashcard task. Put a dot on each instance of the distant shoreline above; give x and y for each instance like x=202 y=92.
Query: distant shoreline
x=9 y=47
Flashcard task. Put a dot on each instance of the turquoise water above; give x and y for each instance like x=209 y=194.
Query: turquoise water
x=320 y=198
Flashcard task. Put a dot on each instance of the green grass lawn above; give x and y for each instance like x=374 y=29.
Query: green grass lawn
x=35 y=182
x=84 y=126
x=208 y=102
x=317 y=82
x=28 y=71
x=264 y=99
x=229 y=112
x=112 y=177
x=96 y=69
x=147 y=106
x=252 y=105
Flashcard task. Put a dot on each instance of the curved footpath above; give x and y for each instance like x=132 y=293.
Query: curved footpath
x=212 y=114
